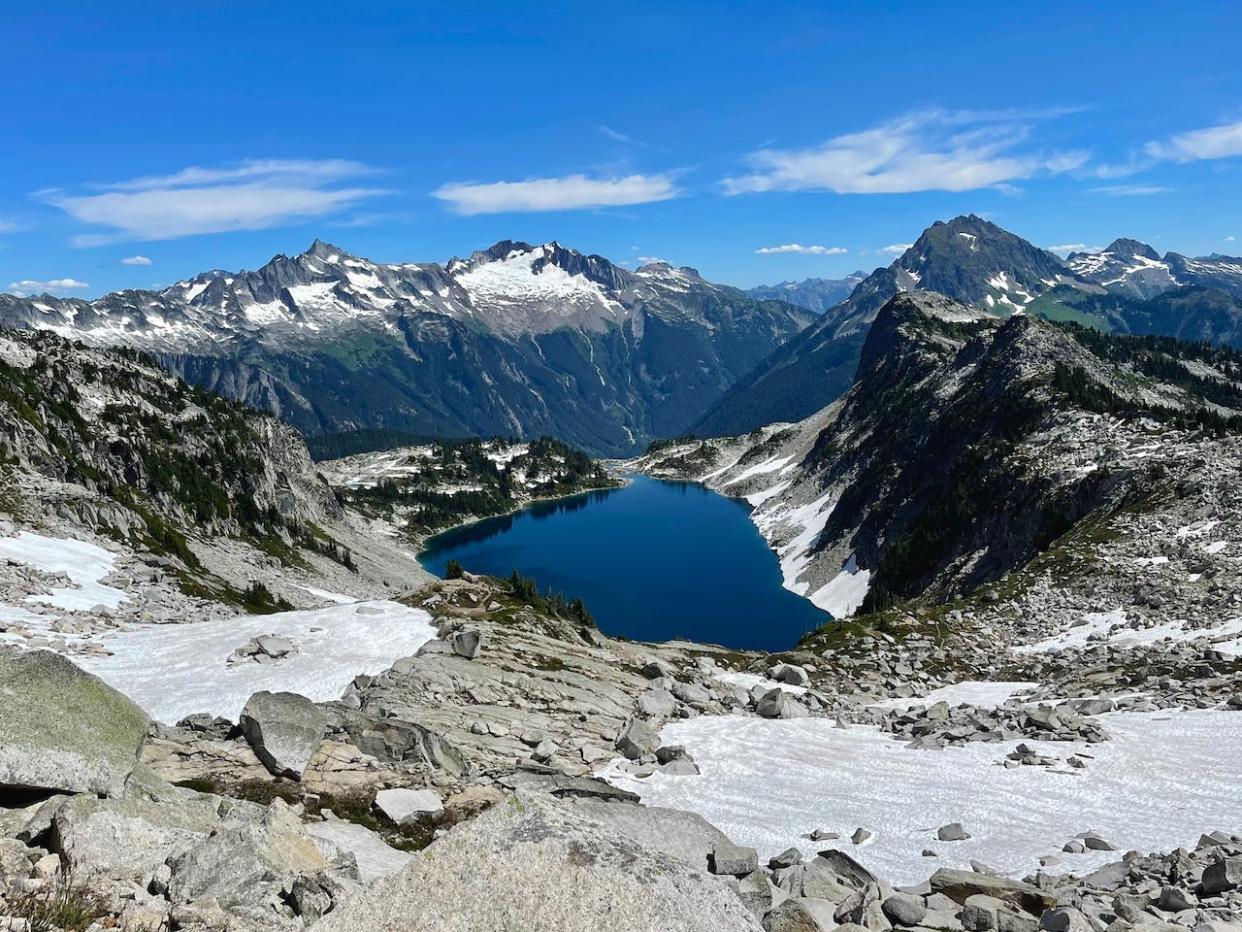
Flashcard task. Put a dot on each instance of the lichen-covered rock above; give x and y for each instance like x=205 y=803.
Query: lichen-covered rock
x=64 y=729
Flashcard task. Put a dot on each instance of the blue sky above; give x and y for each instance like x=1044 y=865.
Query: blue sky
x=148 y=141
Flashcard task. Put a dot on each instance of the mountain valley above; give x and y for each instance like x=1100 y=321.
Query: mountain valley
x=244 y=704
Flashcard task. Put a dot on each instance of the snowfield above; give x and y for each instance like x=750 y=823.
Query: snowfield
x=84 y=564
x=175 y=670
x=1162 y=780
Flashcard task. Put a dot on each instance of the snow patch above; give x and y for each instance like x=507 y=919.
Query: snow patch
x=175 y=670
x=1163 y=780
x=84 y=564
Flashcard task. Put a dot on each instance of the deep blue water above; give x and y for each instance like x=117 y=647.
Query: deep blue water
x=653 y=561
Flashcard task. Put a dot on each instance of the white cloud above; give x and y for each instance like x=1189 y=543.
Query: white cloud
x=896 y=249
x=1213 y=142
x=616 y=135
x=802 y=250
x=1130 y=190
x=647 y=260
x=9 y=225
x=136 y=260
x=1230 y=239
x=300 y=170
x=29 y=286
x=254 y=195
x=930 y=150
x=572 y=192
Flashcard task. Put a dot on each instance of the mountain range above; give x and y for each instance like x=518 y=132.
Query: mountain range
x=1125 y=288
x=814 y=294
x=514 y=340
x=527 y=340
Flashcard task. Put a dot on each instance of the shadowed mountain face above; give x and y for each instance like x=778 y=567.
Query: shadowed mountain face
x=1126 y=288
x=517 y=339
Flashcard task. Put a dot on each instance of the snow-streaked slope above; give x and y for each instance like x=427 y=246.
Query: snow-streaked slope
x=175 y=670
x=1164 y=779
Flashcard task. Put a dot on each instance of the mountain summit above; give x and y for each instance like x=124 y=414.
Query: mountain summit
x=974 y=261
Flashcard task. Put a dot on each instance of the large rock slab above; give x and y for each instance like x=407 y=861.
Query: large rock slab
x=374 y=856
x=62 y=728
x=960 y=885
x=127 y=839
x=541 y=863
x=285 y=731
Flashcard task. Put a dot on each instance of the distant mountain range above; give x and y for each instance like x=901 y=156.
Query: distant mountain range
x=514 y=340
x=1126 y=288
x=532 y=340
x=814 y=294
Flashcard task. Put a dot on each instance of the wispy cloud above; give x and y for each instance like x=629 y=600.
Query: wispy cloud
x=1230 y=238
x=571 y=192
x=896 y=249
x=9 y=225
x=801 y=250
x=135 y=260
x=1212 y=142
x=929 y=150
x=647 y=260
x=1130 y=190
x=30 y=286
x=617 y=135
x=252 y=195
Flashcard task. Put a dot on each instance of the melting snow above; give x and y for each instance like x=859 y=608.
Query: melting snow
x=845 y=592
x=1163 y=780
x=175 y=670
x=84 y=564
x=981 y=693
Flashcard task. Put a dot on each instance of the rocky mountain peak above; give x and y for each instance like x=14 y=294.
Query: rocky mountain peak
x=1124 y=248
x=320 y=249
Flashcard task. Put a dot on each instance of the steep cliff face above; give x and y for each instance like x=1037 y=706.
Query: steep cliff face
x=966 y=446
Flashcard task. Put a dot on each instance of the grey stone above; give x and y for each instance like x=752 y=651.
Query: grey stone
x=733 y=860
x=407 y=805
x=1175 y=899
x=1222 y=876
x=797 y=915
x=845 y=867
x=958 y=885
x=636 y=739
x=284 y=729
x=64 y=729
x=773 y=704
x=787 y=858
x=904 y=910
x=657 y=703
x=508 y=869
x=467 y=643
x=952 y=832
x=374 y=857
x=1065 y=919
